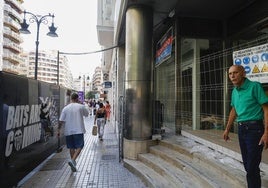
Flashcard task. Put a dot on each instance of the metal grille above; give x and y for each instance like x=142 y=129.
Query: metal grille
x=215 y=88
x=212 y=94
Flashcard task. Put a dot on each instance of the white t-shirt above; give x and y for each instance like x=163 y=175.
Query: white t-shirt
x=97 y=106
x=72 y=116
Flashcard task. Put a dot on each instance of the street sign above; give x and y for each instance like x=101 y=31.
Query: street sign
x=107 y=84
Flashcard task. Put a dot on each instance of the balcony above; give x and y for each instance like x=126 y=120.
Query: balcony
x=16 y=4
x=12 y=46
x=7 y=8
x=105 y=22
x=8 y=67
x=12 y=35
x=12 y=12
x=16 y=14
x=13 y=58
x=11 y=23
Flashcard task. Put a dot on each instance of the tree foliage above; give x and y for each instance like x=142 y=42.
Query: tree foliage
x=91 y=94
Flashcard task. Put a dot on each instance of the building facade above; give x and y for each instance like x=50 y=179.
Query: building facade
x=97 y=81
x=10 y=39
x=173 y=58
x=48 y=68
x=82 y=83
x=105 y=32
x=14 y=60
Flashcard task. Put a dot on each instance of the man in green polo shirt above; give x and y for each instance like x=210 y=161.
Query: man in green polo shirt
x=250 y=109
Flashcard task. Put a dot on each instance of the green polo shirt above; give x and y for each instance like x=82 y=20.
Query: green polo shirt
x=247 y=101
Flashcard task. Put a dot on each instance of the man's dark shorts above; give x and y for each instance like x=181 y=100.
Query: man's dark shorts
x=75 y=141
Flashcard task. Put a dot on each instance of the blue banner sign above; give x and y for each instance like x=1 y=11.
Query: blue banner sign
x=164 y=47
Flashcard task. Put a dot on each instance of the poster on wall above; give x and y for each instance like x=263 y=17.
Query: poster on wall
x=255 y=62
x=164 y=47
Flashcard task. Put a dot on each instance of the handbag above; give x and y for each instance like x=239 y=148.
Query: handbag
x=94 y=130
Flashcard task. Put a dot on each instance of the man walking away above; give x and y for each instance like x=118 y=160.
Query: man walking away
x=72 y=116
x=250 y=109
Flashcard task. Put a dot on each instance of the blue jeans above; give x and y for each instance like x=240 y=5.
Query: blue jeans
x=249 y=135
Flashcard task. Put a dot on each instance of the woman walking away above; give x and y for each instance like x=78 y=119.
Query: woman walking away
x=108 y=110
x=100 y=118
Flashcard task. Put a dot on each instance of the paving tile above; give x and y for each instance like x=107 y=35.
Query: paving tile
x=98 y=166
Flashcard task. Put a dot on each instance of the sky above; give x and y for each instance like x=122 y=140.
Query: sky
x=76 y=22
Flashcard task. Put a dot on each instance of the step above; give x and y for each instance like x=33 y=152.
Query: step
x=232 y=170
x=148 y=175
x=194 y=170
x=205 y=138
x=174 y=174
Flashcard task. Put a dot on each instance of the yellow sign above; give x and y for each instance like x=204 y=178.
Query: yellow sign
x=256 y=69
x=264 y=68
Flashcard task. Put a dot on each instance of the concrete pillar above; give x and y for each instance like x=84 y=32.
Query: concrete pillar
x=138 y=80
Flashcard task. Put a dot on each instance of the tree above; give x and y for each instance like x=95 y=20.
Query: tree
x=91 y=94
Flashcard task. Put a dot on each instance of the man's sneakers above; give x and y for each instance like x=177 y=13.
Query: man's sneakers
x=72 y=164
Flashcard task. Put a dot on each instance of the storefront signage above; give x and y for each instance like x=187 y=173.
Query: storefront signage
x=255 y=62
x=164 y=47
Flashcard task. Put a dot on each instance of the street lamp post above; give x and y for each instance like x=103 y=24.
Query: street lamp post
x=38 y=19
x=58 y=68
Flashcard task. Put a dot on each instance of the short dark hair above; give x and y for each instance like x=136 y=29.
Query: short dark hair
x=74 y=96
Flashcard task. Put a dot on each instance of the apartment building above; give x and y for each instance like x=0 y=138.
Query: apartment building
x=48 y=68
x=82 y=83
x=23 y=67
x=10 y=39
x=97 y=80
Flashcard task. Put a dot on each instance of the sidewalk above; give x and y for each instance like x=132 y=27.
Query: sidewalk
x=98 y=166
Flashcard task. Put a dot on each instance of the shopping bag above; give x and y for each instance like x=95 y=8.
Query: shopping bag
x=94 y=130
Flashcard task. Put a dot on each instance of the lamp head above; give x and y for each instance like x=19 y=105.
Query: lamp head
x=52 y=31
x=24 y=27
